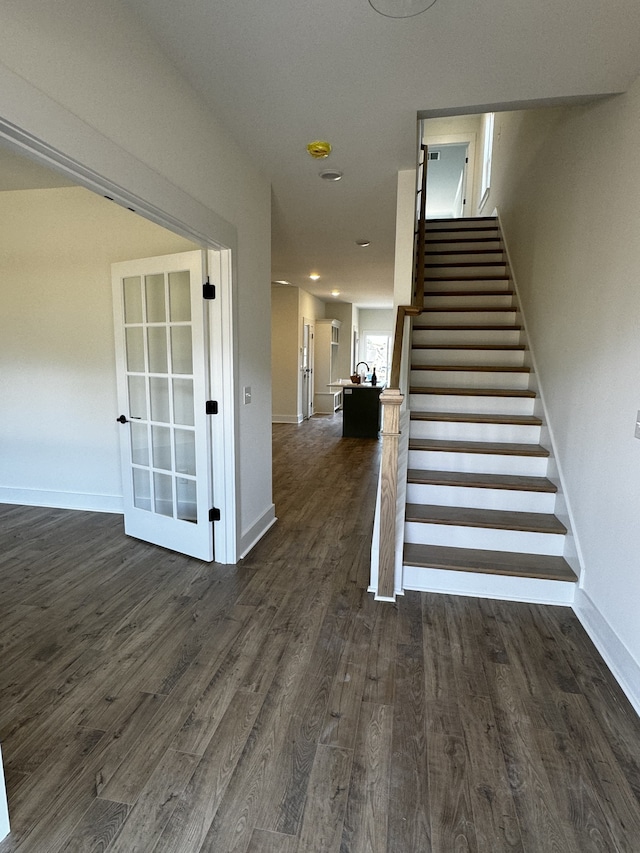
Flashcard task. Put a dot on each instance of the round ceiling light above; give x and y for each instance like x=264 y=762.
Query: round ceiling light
x=401 y=8
x=331 y=175
x=363 y=243
x=319 y=149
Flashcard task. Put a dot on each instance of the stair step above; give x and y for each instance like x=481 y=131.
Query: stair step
x=467 y=347
x=426 y=327
x=480 y=481
x=470 y=309
x=492 y=519
x=462 y=239
x=468 y=277
x=496 y=448
x=489 y=562
x=482 y=368
x=429 y=293
x=471 y=418
x=474 y=392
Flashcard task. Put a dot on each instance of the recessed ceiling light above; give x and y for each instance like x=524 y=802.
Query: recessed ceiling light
x=331 y=175
x=363 y=243
x=335 y=293
x=281 y=281
x=314 y=276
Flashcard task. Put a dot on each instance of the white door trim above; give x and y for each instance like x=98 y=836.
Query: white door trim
x=38 y=127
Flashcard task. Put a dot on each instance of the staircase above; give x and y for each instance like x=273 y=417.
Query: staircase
x=478 y=498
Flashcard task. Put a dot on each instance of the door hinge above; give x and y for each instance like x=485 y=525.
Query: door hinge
x=208 y=290
x=211 y=407
x=214 y=514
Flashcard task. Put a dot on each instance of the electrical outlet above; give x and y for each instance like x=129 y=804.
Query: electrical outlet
x=247 y=395
x=637 y=432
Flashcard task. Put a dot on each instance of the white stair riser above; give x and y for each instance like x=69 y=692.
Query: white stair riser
x=470 y=379
x=467 y=336
x=503 y=499
x=451 y=256
x=472 y=404
x=479 y=284
x=469 y=234
x=510 y=358
x=449 y=535
x=485 y=301
x=478 y=463
x=445 y=430
x=470 y=318
x=464 y=245
x=465 y=272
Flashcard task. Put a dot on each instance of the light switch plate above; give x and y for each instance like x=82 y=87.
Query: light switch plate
x=247 y=395
x=637 y=432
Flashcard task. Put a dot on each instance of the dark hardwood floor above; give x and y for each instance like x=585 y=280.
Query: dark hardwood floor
x=151 y=702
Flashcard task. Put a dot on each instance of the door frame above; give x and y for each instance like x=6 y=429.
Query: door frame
x=470 y=138
x=39 y=128
x=307 y=405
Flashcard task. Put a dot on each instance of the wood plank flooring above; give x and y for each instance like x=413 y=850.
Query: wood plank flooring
x=151 y=702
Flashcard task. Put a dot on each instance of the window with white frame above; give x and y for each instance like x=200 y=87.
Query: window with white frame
x=376 y=351
x=487 y=151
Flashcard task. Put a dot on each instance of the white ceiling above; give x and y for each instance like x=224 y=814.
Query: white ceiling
x=281 y=73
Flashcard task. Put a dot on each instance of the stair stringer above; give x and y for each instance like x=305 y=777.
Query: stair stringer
x=477 y=584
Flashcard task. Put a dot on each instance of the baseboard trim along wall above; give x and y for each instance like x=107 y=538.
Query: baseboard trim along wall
x=253 y=534
x=624 y=667
x=286 y=419
x=62 y=500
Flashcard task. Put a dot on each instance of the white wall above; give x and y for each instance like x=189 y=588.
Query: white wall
x=84 y=77
x=567 y=184
x=58 y=432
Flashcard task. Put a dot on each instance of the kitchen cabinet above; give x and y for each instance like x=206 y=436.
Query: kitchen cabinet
x=326 y=400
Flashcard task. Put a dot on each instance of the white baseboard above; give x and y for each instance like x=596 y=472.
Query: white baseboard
x=62 y=500
x=4 y=809
x=253 y=534
x=623 y=666
x=477 y=585
x=286 y=419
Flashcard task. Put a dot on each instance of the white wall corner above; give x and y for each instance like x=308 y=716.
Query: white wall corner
x=252 y=535
x=618 y=658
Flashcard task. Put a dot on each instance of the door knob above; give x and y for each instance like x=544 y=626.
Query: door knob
x=122 y=419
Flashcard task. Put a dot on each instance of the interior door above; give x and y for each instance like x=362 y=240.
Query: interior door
x=307 y=370
x=161 y=354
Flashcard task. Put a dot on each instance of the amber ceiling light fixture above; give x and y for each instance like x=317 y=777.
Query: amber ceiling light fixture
x=401 y=8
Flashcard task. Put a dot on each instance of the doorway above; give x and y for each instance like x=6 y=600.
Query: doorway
x=447 y=180
x=307 y=369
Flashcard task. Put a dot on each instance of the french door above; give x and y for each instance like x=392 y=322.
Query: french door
x=161 y=335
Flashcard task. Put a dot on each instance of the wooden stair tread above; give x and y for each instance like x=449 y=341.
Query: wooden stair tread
x=508 y=482
x=476 y=368
x=470 y=347
x=470 y=309
x=468 y=293
x=468 y=277
x=493 y=519
x=430 y=220
x=495 y=448
x=473 y=392
x=448 y=251
x=471 y=418
x=489 y=562
x=464 y=264
x=425 y=327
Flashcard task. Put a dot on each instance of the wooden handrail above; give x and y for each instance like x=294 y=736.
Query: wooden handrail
x=391 y=400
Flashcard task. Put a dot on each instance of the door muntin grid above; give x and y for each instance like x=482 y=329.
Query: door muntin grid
x=160 y=391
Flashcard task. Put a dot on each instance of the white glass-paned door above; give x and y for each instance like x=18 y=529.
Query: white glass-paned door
x=161 y=354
